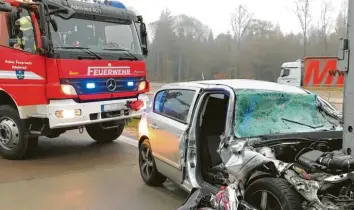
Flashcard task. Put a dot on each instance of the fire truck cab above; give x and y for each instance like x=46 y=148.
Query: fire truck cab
x=68 y=65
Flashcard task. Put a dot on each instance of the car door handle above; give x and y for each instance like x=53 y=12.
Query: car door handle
x=154 y=126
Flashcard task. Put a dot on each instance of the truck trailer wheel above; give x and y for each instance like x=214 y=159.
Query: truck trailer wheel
x=14 y=143
x=273 y=193
x=104 y=135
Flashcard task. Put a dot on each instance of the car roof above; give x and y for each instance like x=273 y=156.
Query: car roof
x=240 y=84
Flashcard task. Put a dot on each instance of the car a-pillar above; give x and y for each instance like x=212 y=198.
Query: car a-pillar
x=15 y=140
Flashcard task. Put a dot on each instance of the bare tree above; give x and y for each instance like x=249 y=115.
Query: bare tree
x=345 y=14
x=240 y=22
x=326 y=21
x=302 y=11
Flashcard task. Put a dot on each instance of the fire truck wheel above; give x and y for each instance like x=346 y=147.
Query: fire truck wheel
x=104 y=135
x=14 y=145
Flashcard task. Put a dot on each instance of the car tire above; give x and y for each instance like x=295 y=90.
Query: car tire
x=147 y=166
x=103 y=135
x=15 y=144
x=277 y=189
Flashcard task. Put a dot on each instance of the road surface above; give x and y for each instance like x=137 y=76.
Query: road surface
x=72 y=172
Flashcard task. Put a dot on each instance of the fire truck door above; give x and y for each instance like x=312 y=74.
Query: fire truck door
x=22 y=70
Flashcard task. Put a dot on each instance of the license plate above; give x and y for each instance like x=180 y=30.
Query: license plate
x=112 y=107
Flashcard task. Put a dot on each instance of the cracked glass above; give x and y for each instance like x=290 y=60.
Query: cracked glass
x=261 y=113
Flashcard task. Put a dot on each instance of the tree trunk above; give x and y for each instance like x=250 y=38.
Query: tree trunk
x=179 y=67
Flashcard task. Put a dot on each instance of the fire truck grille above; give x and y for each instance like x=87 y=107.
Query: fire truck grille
x=103 y=85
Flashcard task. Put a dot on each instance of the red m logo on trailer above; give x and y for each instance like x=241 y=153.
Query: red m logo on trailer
x=322 y=72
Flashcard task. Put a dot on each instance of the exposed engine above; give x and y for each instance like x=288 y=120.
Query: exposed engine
x=332 y=162
x=333 y=171
x=322 y=172
x=319 y=170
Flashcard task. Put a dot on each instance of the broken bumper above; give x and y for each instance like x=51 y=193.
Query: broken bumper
x=68 y=113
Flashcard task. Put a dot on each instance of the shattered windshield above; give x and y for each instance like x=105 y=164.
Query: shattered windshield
x=261 y=113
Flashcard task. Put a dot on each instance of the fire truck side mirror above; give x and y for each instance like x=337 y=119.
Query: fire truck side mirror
x=45 y=43
x=143 y=35
x=54 y=24
x=5 y=7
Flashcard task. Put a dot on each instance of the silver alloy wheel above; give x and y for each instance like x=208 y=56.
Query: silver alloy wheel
x=9 y=133
x=146 y=164
x=265 y=200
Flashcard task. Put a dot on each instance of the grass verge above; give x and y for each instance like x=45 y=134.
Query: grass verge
x=133 y=124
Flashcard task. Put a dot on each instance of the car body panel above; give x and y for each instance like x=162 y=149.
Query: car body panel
x=166 y=135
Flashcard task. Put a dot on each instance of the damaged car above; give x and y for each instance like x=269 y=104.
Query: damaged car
x=246 y=144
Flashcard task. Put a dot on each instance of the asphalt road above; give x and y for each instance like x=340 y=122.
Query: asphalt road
x=72 y=172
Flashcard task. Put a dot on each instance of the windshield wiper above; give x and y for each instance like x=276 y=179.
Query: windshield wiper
x=84 y=49
x=314 y=127
x=123 y=50
x=327 y=112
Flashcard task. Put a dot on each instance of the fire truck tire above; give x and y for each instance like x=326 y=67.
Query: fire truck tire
x=14 y=143
x=104 y=135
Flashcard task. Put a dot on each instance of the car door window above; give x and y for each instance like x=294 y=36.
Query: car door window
x=177 y=104
x=174 y=104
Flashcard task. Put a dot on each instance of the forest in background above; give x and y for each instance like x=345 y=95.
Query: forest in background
x=182 y=48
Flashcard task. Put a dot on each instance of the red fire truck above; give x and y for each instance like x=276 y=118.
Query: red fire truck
x=68 y=65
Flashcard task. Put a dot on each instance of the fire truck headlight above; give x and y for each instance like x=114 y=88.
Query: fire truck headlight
x=68 y=113
x=142 y=86
x=68 y=89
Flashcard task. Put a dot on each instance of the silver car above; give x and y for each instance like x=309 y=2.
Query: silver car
x=262 y=137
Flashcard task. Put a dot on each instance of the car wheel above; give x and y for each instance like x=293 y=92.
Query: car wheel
x=273 y=193
x=104 y=135
x=147 y=166
x=14 y=143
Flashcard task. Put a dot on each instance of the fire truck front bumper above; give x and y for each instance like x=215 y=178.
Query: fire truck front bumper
x=68 y=113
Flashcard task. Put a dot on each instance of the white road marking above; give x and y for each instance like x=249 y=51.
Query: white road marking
x=128 y=140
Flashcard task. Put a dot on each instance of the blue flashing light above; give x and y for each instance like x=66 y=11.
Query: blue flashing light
x=130 y=84
x=90 y=85
x=118 y=4
x=111 y=3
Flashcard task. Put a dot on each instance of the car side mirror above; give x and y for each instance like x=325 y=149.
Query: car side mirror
x=144 y=41
x=5 y=7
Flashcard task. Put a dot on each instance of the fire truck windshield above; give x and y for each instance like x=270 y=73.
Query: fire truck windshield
x=98 y=36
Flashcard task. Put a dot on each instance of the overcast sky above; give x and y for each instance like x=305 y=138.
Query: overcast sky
x=216 y=14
